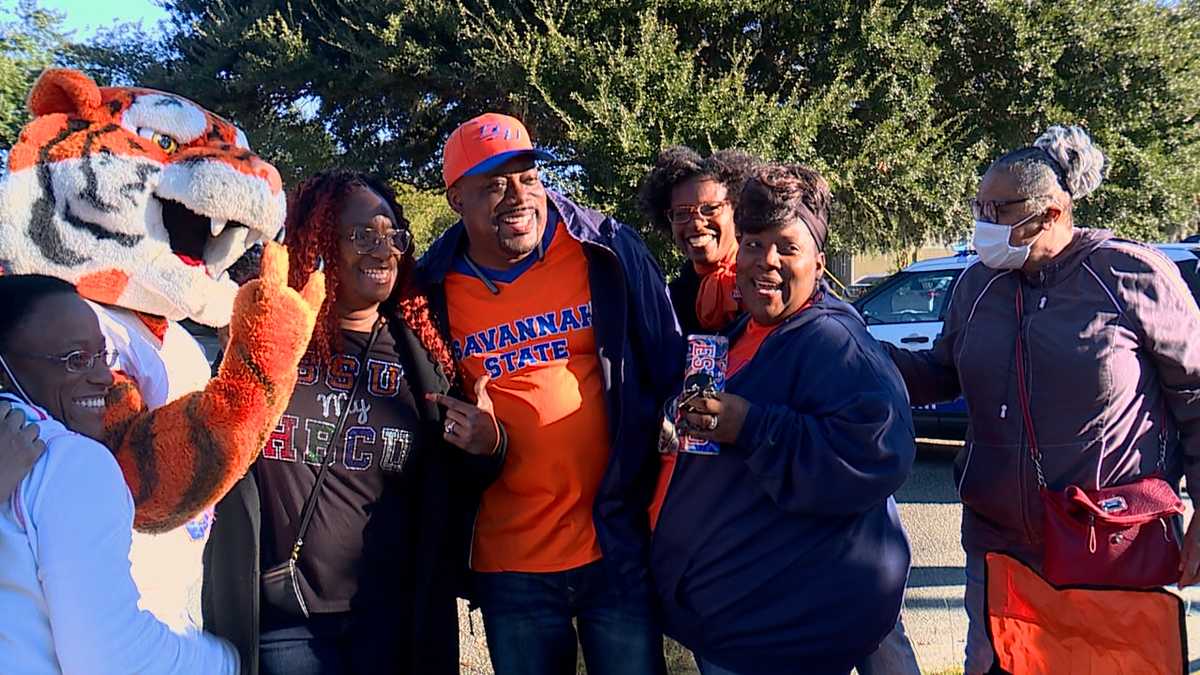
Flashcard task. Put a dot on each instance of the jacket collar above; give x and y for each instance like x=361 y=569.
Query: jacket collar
x=1084 y=242
x=825 y=303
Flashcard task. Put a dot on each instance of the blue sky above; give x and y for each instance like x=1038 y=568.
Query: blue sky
x=84 y=16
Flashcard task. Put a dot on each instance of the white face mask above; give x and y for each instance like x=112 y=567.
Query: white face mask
x=991 y=243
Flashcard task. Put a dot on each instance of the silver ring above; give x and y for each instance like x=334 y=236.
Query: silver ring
x=450 y=427
x=712 y=424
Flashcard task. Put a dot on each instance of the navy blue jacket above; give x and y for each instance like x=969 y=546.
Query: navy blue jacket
x=784 y=553
x=640 y=352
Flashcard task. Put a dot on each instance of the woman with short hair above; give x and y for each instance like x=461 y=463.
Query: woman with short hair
x=68 y=603
x=784 y=552
x=692 y=199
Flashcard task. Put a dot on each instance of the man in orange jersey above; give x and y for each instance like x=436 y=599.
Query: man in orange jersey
x=565 y=312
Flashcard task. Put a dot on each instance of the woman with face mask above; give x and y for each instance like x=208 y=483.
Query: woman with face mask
x=1104 y=391
x=783 y=553
x=68 y=603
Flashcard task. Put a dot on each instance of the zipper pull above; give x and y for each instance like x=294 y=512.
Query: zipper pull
x=1004 y=411
x=1042 y=304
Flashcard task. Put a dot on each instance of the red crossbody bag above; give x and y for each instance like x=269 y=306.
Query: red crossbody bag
x=1121 y=536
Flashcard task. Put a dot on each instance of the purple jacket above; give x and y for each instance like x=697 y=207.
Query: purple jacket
x=1112 y=340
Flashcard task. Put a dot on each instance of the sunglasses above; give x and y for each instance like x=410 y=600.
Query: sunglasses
x=367 y=240
x=686 y=212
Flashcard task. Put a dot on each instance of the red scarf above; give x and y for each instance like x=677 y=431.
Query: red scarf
x=716 y=305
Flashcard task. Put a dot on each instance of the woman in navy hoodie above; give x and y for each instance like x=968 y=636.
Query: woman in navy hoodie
x=784 y=553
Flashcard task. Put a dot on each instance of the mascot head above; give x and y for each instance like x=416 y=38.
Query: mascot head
x=140 y=198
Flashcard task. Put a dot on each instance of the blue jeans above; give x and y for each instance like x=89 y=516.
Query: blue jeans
x=893 y=657
x=298 y=651
x=979 y=654
x=321 y=645
x=528 y=620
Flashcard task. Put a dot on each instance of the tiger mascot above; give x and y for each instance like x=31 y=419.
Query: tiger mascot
x=143 y=199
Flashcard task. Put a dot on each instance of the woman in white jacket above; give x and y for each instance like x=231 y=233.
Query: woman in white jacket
x=67 y=601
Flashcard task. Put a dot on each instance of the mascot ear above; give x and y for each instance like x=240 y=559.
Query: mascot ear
x=62 y=90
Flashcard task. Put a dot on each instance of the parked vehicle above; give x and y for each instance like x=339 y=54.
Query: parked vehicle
x=907 y=310
x=863 y=286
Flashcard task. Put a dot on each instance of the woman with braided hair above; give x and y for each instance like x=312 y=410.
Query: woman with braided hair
x=363 y=469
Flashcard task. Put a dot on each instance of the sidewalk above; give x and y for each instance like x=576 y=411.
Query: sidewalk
x=933 y=609
x=934 y=614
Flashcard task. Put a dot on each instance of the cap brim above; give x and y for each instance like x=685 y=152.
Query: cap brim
x=496 y=160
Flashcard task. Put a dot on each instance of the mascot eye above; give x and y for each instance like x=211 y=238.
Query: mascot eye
x=164 y=142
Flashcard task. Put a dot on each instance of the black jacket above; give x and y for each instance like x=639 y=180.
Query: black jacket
x=641 y=356
x=416 y=618
x=684 y=290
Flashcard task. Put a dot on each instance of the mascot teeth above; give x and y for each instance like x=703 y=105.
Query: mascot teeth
x=226 y=249
x=216 y=226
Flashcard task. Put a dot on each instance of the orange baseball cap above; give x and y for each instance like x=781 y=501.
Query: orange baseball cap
x=485 y=142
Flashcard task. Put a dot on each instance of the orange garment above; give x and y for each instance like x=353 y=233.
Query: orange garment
x=535 y=339
x=747 y=345
x=666 y=469
x=1037 y=629
x=716 y=304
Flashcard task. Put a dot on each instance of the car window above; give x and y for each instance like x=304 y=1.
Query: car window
x=911 y=297
x=1190 y=269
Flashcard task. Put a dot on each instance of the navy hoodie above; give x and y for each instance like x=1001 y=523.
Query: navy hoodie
x=784 y=553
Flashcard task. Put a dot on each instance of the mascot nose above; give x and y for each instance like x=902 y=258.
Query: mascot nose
x=267 y=172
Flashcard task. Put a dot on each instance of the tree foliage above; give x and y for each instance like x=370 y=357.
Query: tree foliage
x=30 y=40
x=900 y=103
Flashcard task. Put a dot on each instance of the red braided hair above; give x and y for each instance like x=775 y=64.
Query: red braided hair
x=311 y=234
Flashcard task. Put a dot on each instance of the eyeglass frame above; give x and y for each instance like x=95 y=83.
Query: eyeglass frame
x=979 y=207
x=695 y=209
x=109 y=357
x=362 y=232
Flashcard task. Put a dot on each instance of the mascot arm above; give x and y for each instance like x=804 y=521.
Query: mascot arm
x=182 y=457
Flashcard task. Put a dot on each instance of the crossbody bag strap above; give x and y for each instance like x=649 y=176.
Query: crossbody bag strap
x=1023 y=392
x=310 y=504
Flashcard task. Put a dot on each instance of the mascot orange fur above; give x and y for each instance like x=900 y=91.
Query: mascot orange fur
x=143 y=199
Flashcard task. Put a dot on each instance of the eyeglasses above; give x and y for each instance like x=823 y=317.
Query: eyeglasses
x=685 y=212
x=367 y=240
x=78 y=361
x=986 y=210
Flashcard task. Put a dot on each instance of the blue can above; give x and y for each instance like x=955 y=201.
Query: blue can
x=708 y=359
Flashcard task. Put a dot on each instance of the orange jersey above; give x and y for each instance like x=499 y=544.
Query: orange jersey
x=535 y=340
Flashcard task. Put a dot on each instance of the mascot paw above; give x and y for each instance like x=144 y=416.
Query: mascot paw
x=271 y=320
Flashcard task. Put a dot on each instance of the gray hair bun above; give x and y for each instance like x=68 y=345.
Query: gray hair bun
x=1082 y=163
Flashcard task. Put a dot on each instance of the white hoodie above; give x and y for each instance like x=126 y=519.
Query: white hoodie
x=68 y=603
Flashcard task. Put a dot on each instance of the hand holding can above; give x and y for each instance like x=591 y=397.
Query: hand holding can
x=704 y=376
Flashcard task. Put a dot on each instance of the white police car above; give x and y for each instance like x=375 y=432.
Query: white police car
x=907 y=310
